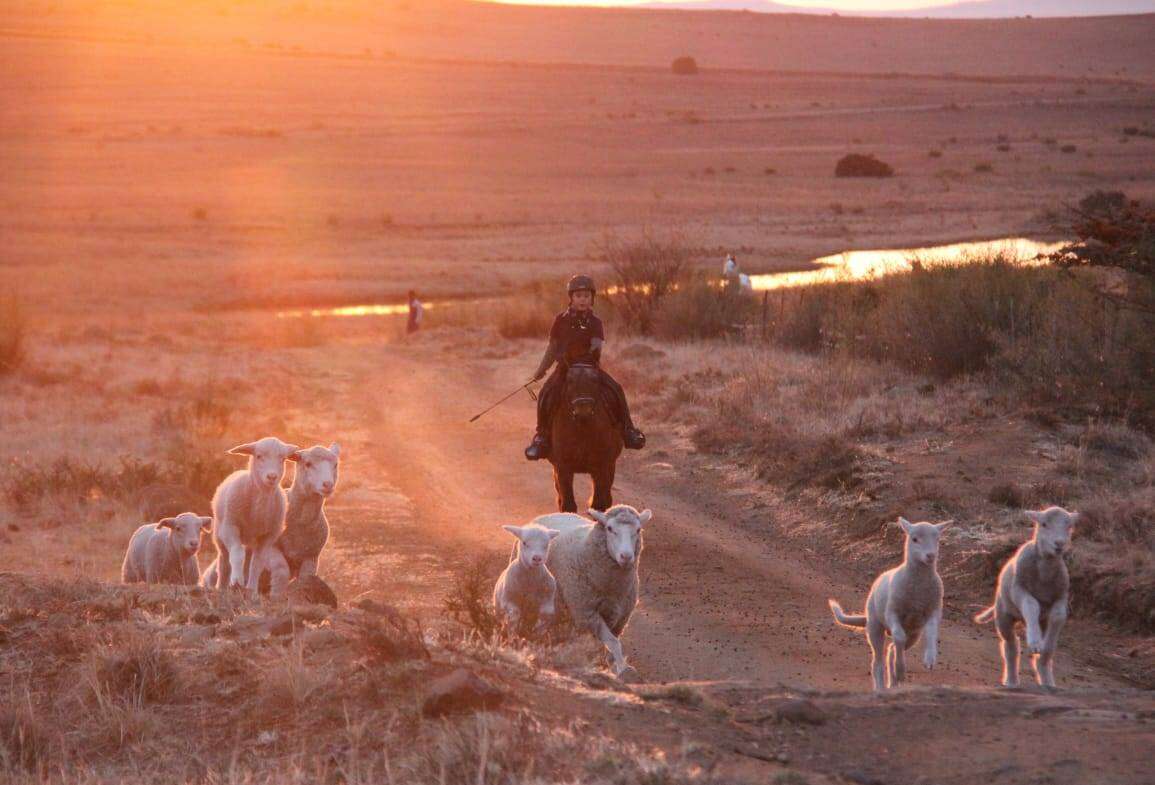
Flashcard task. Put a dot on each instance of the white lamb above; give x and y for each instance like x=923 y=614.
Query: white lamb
x=249 y=509
x=596 y=567
x=165 y=552
x=903 y=603
x=1032 y=591
x=526 y=590
x=298 y=550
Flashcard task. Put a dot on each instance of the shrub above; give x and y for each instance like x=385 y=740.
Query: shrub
x=935 y=153
x=1038 y=330
x=858 y=165
x=531 y=316
x=12 y=326
x=645 y=272
x=470 y=598
x=1068 y=148
x=701 y=310
x=684 y=66
x=984 y=167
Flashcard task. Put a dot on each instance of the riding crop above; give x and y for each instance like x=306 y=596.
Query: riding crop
x=525 y=387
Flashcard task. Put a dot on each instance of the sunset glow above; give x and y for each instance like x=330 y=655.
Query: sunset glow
x=841 y=5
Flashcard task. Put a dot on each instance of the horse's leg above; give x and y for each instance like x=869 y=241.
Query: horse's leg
x=563 y=481
x=603 y=489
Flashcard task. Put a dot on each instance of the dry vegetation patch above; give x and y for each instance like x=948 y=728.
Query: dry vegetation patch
x=153 y=696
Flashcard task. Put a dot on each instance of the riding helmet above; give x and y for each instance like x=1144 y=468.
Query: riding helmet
x=580 y=282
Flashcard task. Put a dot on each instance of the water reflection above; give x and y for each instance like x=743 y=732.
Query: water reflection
x=845 y=266
x=861 y=265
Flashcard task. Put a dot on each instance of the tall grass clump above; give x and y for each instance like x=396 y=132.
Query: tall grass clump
x=700 y=308
x=12 y=333
x=531 y=316
x=645 y=272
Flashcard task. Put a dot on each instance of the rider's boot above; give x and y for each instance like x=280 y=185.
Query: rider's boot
x=632 y=438
x=538 y=448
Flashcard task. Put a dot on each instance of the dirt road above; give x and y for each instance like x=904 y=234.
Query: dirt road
x=726 y=601
x=723 y=597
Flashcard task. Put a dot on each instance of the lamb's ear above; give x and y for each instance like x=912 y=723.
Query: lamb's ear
x=244 y=449
x=598 y=515
x=904 y=523
x=943 y=525
x=514 y=530
x=294 y=457
x=645 y=515
x=290 y=450
x=1074 y=519
x=1034 y=516
x=553 y=534
x=206 y=523
x=335 y=449
x=165 y=523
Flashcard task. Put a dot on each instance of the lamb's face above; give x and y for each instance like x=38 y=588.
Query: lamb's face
x=266 y=459
x=623 y=526
x=317 y=469
x=534 y=542
x=922 y=540
x=1053 y=528
x=186 y=531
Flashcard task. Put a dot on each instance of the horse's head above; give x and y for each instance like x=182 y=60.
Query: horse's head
x=582 y=387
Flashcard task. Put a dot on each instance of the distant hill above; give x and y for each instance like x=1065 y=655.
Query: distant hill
x=974 y=9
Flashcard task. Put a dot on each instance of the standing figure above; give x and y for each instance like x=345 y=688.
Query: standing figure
x=416 y=311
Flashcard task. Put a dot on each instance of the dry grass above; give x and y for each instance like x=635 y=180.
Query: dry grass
x=12 y=333
x=163 y=697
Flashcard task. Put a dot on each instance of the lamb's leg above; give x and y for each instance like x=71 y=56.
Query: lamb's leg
x=930 y=650
x=1029 y=608
x=260 y=559
x=876 y=637
x=898 y=636
x=563 y=481
x=1009 y=646
x=308 y=567
x=232 y=556
x=1045 y=666
x=278 y=570
x=603 y=633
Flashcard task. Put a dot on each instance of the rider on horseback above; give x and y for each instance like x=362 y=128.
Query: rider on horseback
x=577 y=337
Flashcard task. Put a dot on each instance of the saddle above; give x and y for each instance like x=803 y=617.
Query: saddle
x=604 y=395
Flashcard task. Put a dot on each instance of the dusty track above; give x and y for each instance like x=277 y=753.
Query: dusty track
x=725 y=600
x=723 y=597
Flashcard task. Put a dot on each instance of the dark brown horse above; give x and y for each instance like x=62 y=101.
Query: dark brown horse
x=586 y=439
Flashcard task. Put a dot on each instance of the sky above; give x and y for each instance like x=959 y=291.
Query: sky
x=849 y=6
x=844 y=5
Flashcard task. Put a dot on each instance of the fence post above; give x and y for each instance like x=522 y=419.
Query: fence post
x=765 y=309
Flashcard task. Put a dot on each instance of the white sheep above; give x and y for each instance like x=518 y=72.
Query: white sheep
x=903 y=603
x=1032 y=591
x=249 y=509
x=526 y=590
x=298 y=549
x=166 y=551
x=729 y=267
x=596 y=567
